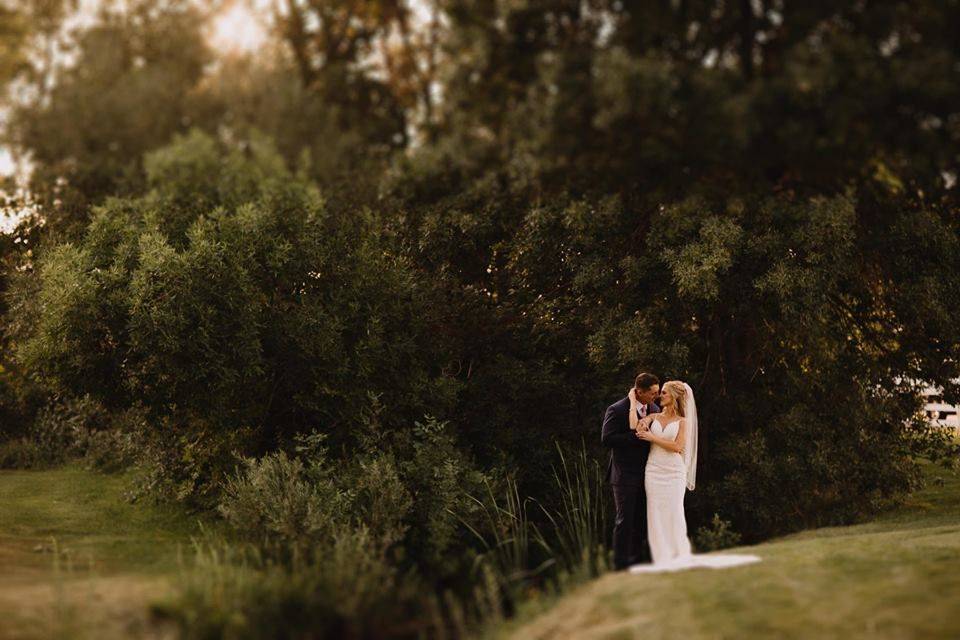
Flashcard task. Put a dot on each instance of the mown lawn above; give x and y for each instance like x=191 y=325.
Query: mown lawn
x=78 y=560
x=895 y=577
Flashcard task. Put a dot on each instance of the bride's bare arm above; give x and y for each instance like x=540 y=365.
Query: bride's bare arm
x=636 y=423
x=634 y=418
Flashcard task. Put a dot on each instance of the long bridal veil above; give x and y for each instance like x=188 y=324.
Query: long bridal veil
x=712 y=561
x=690 y=451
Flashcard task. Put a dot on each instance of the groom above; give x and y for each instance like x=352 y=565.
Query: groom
x=625 y=471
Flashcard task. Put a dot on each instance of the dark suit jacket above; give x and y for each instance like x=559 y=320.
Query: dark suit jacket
x=628 y=453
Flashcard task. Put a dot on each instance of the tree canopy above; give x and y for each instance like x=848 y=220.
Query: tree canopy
x=495 y=214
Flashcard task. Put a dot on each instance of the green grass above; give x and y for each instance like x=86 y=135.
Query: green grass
x=77 y=559
x=895 y=577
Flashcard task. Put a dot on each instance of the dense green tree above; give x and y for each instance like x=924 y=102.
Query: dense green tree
x=737 y=194
x=124 y=89
x=758 y=197
x=29 y=34
x=13 y=36
x=228 y=301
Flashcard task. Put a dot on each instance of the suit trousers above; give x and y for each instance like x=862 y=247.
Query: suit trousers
x=630 y=544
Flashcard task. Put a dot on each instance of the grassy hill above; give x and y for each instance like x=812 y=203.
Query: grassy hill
x=77 y=560
x=895 y=577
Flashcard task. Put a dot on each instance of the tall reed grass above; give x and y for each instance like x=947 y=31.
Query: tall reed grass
x=575 y=538
x=531 y=548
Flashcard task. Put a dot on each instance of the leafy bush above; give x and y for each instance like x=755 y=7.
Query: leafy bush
x=62 y=429
x=327 y=548
x=237 y=319
x=718 y=535
x=21 y=453
x=283 y=505
x=404 y=495
x=79 y=429
x=20 y=400
x=344 y=589
x=185 y=460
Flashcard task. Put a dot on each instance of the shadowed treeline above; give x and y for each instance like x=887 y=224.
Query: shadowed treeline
x=424 y=243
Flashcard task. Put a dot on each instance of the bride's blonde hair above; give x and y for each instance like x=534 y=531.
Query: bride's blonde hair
x=679 y=394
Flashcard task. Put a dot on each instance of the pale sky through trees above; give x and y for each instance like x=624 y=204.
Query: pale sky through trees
x=236 y=27
x=240 y=27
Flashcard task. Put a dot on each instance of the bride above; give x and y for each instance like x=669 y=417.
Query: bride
x=672 y=470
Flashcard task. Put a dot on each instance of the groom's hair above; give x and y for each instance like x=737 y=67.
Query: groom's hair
x=646 y=380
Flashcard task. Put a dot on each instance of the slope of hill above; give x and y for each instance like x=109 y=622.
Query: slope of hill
x=895 y=577
x=76 y=560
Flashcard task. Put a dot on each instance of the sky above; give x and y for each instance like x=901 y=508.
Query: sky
x=237 y=29
x=6 y=163
x=240 y=26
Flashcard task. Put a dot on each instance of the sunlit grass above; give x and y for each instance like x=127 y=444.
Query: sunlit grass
x=895 y=577
x=77 y=559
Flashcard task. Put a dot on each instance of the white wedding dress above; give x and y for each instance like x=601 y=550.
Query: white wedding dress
x=665 y=482
x=668 y=476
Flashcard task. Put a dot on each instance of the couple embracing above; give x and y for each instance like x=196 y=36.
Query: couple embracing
x=652 y=435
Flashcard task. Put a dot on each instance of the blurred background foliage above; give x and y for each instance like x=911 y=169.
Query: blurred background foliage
x=442 y=235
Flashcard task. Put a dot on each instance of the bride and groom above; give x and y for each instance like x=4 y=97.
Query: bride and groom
x=653 y=463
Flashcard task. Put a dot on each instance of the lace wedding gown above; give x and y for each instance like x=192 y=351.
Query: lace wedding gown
x=666 y=482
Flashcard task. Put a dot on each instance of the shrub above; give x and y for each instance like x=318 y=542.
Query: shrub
x=237 y=319
x=21 y=453
x=62 y=428
x=283 y=505
x=381 y=500
x=718 y=535
x=186 y=460
x=343 y=589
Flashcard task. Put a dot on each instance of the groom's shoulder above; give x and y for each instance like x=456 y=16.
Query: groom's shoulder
x=620 y=405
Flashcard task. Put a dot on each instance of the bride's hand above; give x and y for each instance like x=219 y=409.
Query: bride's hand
x=633 y=399
x=644 y=434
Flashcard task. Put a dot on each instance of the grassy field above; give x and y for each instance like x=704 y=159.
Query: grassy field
x=77 y=560
x=895 y=577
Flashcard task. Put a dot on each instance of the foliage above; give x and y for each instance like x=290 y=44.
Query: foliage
x=77 y=429
x=209 y=310
x=20 y=453
x=758 y=198
x=345 y=590
x=679 y=204
x=324 y=547
x=402 y=497
x=128 y=92
x=577 y=533
x=718 y=535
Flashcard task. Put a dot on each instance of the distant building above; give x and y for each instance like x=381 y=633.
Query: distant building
x=937 y=411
